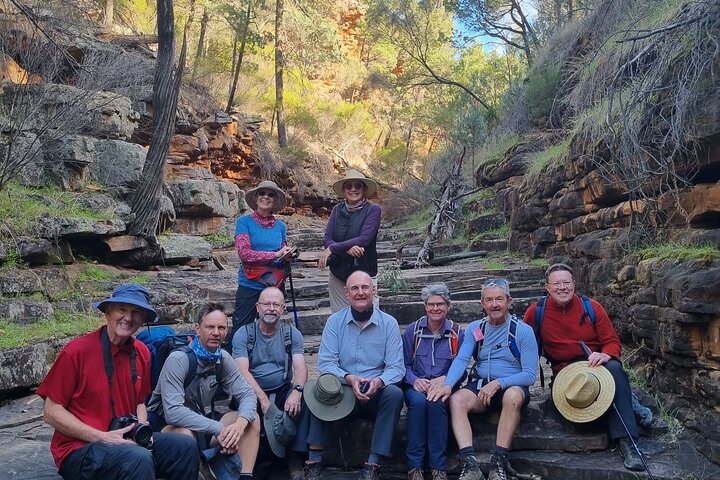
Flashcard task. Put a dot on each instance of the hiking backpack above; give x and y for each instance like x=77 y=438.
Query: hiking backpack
x=453 y=338
x=511 y=344
x=588 y=312
x=161 y=341
x=286 y=331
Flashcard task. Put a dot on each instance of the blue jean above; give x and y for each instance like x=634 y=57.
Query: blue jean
x=384 y=407
x=173 y=457
x=427 y=429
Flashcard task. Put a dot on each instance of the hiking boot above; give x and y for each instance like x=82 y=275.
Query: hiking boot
x=439 y=474
x=415 y=474
x=470 y=469
x=371 y=471
x=498 y=466
x=311 y=471
x=632 y=458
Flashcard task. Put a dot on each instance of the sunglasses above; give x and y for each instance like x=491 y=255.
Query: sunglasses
x=266 y=193
x=353 y=185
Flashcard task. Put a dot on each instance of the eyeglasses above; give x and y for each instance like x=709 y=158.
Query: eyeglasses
x=564 y=283
x=353 y=185
x=436 y=304
x=266 y=193
x=276 y=306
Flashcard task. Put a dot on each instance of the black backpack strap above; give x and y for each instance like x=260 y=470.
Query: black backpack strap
x=251 y=333
x=287 y=340
x=192 y=366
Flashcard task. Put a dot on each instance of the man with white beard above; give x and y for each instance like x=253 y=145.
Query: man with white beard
x=271 y=357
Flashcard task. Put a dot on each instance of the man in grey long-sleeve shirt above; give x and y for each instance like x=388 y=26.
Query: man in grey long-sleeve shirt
x=361 y=345
x=183 y=410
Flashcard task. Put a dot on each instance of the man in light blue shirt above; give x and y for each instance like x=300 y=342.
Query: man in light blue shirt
x=506 y=361
x=361 y=345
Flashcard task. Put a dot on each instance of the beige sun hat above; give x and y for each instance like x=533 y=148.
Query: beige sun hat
x=353 y=174
x=280 y=199
x=582 y=393
x=328 y=399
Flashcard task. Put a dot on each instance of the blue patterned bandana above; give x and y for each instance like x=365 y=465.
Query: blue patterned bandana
x=203 y=354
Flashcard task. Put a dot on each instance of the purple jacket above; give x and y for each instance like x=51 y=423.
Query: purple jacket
x=369 y=230
x=433 y=355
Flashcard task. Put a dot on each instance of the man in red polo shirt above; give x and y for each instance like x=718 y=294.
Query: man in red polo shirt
x=99 y=378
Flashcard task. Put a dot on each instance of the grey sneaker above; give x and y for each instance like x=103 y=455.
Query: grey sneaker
x=632 y=458
x=370 y=471
x=415 y=474
x=311 y=471
x=498 y=466
x=439 y=474
x=470 y=469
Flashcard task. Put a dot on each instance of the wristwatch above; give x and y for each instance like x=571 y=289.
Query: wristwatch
x=299 y=388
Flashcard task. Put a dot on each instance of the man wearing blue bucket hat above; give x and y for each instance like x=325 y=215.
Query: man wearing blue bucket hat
x=100 y=419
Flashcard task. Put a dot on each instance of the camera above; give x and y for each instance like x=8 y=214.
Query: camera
x=140 y=433
x=364 y=387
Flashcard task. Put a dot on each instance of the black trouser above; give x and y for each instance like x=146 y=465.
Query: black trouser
x=174 y=457
x=245 y=310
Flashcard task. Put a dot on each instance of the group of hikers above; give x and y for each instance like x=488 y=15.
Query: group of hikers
x=114 y=425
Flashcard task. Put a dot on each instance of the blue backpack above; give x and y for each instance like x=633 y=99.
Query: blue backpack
x=161 y=341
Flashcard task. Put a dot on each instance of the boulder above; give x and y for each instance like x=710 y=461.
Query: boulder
x=35 y=361
x=206 y=198
x=25 y=311
x=109 y=115
x=19 y=282
x=118 y=163
x=26 y=149
x=40 y=251
x=697 y=204
x=67 y=159
x=183 y=248
x=204 y=226
x=52 y=227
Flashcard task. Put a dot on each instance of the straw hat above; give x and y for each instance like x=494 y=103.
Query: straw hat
x=582 y=393
x=328 y=399
x=353 y=174
x=280 y=200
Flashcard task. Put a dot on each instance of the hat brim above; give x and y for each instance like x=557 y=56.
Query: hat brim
x=370 y=184
x=277 y=448
x=601 y=403
x=151 y=313
x=280 y=199
x=329 y=413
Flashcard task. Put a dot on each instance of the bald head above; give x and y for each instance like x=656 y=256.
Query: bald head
x=270 y=306
x=359 y=290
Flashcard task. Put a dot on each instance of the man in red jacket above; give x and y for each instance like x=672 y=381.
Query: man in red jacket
x=564 y=324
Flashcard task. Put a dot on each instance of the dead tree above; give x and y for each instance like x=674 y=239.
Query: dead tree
x=443 y=224
x=166 y=89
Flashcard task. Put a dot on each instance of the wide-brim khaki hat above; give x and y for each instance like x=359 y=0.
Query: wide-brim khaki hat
x=582 y=393
x=280 y=199
x=328 y=399
x=353 y=174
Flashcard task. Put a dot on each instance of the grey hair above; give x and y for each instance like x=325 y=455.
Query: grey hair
x=496 y=283
x=558 y=267
x=439 y=289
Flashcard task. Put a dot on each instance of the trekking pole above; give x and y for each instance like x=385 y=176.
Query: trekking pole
x=587 y=351
x=292 y=292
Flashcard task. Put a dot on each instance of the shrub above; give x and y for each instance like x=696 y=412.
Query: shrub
x=542 y=86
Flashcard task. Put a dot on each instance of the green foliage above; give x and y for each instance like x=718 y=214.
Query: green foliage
x=92 y=273
x=491 y=264
x=21 y=207
x=680 y=251
x=539 y=262
x=542 y=87
x=12 y=259
x=219 y=238
x=501 y=232
x=538 y=162
x=493 y=152
x=140 y=279
x=64 y=324
x=420 y=219
x=391 y=277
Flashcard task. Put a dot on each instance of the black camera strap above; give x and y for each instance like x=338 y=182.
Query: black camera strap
x=109 y=370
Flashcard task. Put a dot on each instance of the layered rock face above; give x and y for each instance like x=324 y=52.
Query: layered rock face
x=667 y=312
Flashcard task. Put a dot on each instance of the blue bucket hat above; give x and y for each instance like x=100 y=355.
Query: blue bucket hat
x=132 y=294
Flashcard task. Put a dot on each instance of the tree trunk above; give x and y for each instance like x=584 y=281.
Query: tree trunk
x=241 y=54
x=109 y=13
x=279 y=66
x=443 y=224
x=166 y=89
x=199 y=52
